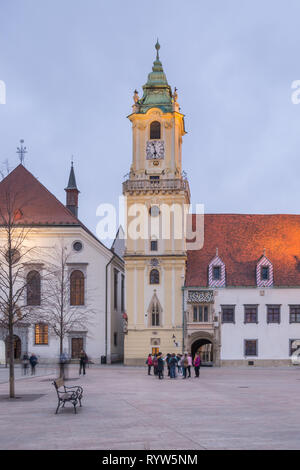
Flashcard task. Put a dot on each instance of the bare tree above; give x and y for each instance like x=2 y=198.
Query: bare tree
x=59 y=312
x=14 y=254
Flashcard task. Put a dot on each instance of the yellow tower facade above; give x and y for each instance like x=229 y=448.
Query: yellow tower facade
x=157 y=200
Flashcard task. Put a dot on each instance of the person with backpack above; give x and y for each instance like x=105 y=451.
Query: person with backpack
x=149 y=363
x=197 y=364
x=33 y=362
x=160 y=366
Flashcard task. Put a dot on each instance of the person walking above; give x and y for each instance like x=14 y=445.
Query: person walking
x=160 y=366
x=197 y=364
x=184 y=364
x=33 y=362
x=25 y=363
x=190 y=363
x=172 y=365
x=83 y=359
x=149 y=363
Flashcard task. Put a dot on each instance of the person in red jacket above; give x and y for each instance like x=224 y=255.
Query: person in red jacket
x=197 y=364
x=149 y=363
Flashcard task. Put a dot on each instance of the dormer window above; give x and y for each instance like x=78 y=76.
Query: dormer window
x=216 y=272
x=264 y=272
x=155 y=130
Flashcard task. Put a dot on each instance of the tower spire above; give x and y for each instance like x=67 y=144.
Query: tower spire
x=72 y=192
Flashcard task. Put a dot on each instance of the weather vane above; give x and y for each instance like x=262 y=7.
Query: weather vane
x=21 y=151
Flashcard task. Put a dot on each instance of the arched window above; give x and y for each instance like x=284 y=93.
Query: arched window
x=33 y=288
x=155 y=130
x=77 y=288
x=155 y=315
x=154 y=276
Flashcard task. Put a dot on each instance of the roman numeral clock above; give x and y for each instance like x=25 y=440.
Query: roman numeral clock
x=155 y=149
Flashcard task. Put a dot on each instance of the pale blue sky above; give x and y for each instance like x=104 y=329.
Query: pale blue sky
x=70 y=68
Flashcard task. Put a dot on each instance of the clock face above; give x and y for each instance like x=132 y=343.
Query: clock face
x=155 y=149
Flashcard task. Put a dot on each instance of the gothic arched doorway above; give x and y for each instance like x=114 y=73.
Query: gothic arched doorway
x=17 y=347
x=206 y=349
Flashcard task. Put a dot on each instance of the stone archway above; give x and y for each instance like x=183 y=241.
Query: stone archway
x=205 y=343
x=17 y=347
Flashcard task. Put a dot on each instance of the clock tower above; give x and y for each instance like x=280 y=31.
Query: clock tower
x=157 y=200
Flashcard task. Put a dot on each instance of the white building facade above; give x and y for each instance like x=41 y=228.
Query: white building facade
x=95 y=275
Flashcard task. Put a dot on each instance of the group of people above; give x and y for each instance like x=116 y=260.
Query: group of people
x=29 y=361
x=177 y=364
x=64 y=359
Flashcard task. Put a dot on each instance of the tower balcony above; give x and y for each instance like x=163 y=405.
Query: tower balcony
x=156 y=186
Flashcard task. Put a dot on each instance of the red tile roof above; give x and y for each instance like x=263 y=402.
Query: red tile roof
x=241 y=240
x=33 y=204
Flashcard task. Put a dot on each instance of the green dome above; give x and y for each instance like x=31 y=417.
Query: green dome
x=157 y=91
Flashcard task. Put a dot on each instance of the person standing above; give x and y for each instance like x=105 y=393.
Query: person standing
x=179 y=370
x=25 y=363
x=197 y=364
x=83 y=359
x=33 y=362
x=172 y=365
x=184 y=365
x=190 y=363
x=149 y=362
x=155 y=364
x=160 y=366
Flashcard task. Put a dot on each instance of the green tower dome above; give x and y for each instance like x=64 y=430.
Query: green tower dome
x=157 y=91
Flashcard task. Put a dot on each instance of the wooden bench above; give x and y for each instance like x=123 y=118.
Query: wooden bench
x=67 y=394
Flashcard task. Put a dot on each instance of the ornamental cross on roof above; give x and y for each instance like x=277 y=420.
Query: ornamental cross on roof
x=21 y=151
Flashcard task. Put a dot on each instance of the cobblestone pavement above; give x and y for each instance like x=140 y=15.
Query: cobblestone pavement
x=123 y=408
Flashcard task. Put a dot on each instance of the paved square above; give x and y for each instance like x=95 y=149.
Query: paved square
x=123 y=408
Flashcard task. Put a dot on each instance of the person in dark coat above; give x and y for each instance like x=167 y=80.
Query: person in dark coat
x=33 y=362
x=83 y=359
x=172 y=366
x=160 y=366
x=25 y=363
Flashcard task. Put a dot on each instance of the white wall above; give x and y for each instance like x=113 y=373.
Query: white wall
x=273 y=339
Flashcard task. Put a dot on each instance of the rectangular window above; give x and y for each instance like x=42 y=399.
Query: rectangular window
x=116 y=288
x=195 y=317
x=153 y=245
x=251 y=314
x=217 y=272
x=205 y=313
x=250 y=347
x=122 y=291
x=200 y=313
x=227 y=313
x=115 y=339
x=41 y=333
x=294 y=313
x=273 y=313
x=265 y=273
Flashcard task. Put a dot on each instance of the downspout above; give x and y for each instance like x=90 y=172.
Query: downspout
x=106 y=270
x=183 y=287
